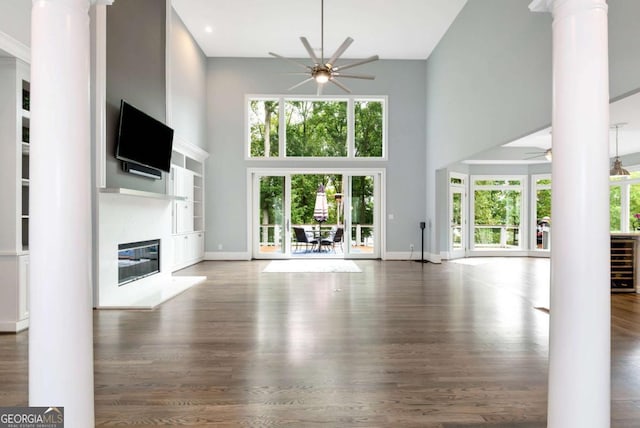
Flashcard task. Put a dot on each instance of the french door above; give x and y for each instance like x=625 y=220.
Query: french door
x=272 y=208
x=457 y=216
x=283 y=200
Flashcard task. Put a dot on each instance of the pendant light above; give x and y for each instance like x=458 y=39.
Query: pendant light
x=617 y=168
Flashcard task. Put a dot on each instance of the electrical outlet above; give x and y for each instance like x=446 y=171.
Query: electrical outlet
x=219 y=247
x=411 y=247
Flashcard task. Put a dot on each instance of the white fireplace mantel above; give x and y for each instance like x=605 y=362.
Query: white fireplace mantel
x=130 y=216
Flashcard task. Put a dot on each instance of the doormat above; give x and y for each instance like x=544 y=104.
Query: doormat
x=312 y=266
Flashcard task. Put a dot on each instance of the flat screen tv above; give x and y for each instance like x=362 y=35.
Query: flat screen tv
x=142 y=139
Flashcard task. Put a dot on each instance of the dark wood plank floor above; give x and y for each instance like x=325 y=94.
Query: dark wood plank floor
x=399 y=345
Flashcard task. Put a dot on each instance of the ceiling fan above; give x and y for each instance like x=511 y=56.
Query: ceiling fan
x=326 y=71
x=547 y=154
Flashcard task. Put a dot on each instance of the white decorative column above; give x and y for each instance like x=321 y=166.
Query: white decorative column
x=579 y=354
x=61 y=323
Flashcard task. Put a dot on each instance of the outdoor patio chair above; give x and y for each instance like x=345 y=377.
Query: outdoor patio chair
x=335 y=239
x=302 y=238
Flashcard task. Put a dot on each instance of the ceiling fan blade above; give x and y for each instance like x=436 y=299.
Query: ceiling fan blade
x=340 y=85
x=310 y=51
x=300 y=84
x=355 y=76
x=298 y=63
x=343 y=47
x=353 y=64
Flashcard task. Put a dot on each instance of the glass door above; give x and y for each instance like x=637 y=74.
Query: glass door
x=457 y=216
x=284 y=221
x=272 y=206
x=362 y=223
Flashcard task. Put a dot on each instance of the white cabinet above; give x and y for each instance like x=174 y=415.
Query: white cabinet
x=23 y=287
x=14 y=210
x=183 y=207
x=188 y=249
x=186 y=183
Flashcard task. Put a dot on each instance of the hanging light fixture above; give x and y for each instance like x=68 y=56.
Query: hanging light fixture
x=617 y=168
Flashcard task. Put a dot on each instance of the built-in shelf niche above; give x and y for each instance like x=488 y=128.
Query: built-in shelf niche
x=26 y=95
x=25 y=149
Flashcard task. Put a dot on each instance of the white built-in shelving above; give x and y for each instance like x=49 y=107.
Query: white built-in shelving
x=186 y=183
x=15 y=121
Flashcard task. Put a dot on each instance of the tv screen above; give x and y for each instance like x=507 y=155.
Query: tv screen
x=143 y=139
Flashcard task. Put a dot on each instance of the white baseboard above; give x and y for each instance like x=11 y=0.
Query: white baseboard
x=445 y=255
x=219 y=255
x=14 y=327
x=541 y=254
x=498 y=253
x=407 y=255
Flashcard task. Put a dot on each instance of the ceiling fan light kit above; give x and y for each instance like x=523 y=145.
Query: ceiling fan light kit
x=322 y=72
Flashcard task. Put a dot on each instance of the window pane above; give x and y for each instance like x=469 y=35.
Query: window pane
x=456 y=220
x=362 y=209
x=303 y=197
x=543 y=181
x=272 y=214
x=497 y=218
x=543 y=219
x=455 y=180
x=489 y=182
x=316 y=128
x=368 y=128
x=634 y=207
x=614 y=208
x=263 y=128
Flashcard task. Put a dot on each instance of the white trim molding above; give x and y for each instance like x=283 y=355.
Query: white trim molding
x=228 y=256
x=15 y=48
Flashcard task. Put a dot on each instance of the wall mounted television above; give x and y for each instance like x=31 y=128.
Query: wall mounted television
x=143 y=140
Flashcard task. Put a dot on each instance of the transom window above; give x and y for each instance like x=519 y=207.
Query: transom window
x=304 y=127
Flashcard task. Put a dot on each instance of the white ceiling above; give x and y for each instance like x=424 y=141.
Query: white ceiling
x=530 y=148
x=399 y=29
x=402 y=29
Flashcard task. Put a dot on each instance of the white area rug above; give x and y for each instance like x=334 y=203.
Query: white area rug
x=312 y=266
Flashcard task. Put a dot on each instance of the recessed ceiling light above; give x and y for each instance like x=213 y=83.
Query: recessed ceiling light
x=208 y=29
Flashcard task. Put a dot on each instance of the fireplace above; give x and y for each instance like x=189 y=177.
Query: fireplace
x=138 y=260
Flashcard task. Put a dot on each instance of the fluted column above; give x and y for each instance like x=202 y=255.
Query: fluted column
x=579 y=348
x=61 y=326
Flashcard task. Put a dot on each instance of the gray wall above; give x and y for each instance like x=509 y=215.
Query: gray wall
x=135 y=72
x=188 y=85
x=483 y=91
x=15 y=20
x=229 y=80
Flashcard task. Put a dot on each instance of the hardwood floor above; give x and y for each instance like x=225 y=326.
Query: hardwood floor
x=399 y=345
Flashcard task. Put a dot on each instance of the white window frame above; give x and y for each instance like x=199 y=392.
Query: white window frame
x=625 y=191
x=534 y=206
x=463 y=187
x=522 y=237
x=282 y=99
